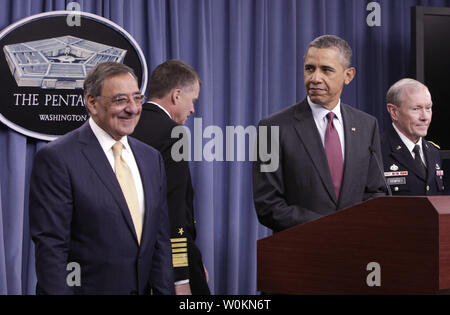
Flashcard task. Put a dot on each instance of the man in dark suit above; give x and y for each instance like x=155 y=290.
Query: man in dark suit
x=327 y=150
x=174 y=87
x=98 y=199
x=412 y=165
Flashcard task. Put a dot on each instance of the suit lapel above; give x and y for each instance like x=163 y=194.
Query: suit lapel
x=93 y=152
x=428 y=160
x=350 y=138
x=144 y=171
x=307 y=131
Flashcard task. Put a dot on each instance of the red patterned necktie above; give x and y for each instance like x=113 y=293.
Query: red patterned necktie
x=333 y=150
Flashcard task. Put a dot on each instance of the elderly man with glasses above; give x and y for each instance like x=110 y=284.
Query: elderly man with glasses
x=98 y=199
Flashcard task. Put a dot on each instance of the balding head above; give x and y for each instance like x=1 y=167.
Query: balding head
x=396 y=93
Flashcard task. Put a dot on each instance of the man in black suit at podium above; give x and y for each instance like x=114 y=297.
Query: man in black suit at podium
x=412 y=165
x=174 y=87
x=328 y=150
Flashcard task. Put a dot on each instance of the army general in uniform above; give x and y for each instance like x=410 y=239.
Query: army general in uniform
x=412 y=165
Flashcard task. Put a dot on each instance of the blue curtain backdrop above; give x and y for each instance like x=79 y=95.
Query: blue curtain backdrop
x=249 y=54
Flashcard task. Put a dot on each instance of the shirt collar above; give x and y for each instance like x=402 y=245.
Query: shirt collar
x=105 y=140
x=165 y=110
x=409 y=144
x=320 y=113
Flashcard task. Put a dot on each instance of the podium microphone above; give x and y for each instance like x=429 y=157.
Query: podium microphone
x=374 y=154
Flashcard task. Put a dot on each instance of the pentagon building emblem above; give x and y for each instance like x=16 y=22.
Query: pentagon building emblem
x=44 y=61
x=58 y=63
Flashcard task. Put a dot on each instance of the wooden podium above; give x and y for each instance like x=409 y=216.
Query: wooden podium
x=409 y=238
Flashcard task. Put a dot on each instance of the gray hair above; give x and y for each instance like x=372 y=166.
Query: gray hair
x=93 y=83
x=394 y=95
x=332 y=41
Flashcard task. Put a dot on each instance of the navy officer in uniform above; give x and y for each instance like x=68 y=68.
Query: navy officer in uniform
x=412 y=165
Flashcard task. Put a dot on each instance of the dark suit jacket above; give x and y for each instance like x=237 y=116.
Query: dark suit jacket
x=155 y=128
x=398 y=159
x=301 y=189
x=78 y=214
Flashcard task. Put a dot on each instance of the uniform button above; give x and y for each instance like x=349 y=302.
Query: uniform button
x=395 y=188
x=428 y=188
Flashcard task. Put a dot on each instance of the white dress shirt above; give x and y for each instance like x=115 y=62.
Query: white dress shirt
x=320 y=117
x=107 y=142
x=410 y=145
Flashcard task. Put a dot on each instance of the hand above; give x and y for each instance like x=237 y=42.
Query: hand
x=183 y=289
x=206 y=273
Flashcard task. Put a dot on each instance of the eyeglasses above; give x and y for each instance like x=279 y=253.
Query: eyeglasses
x=124 y=100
